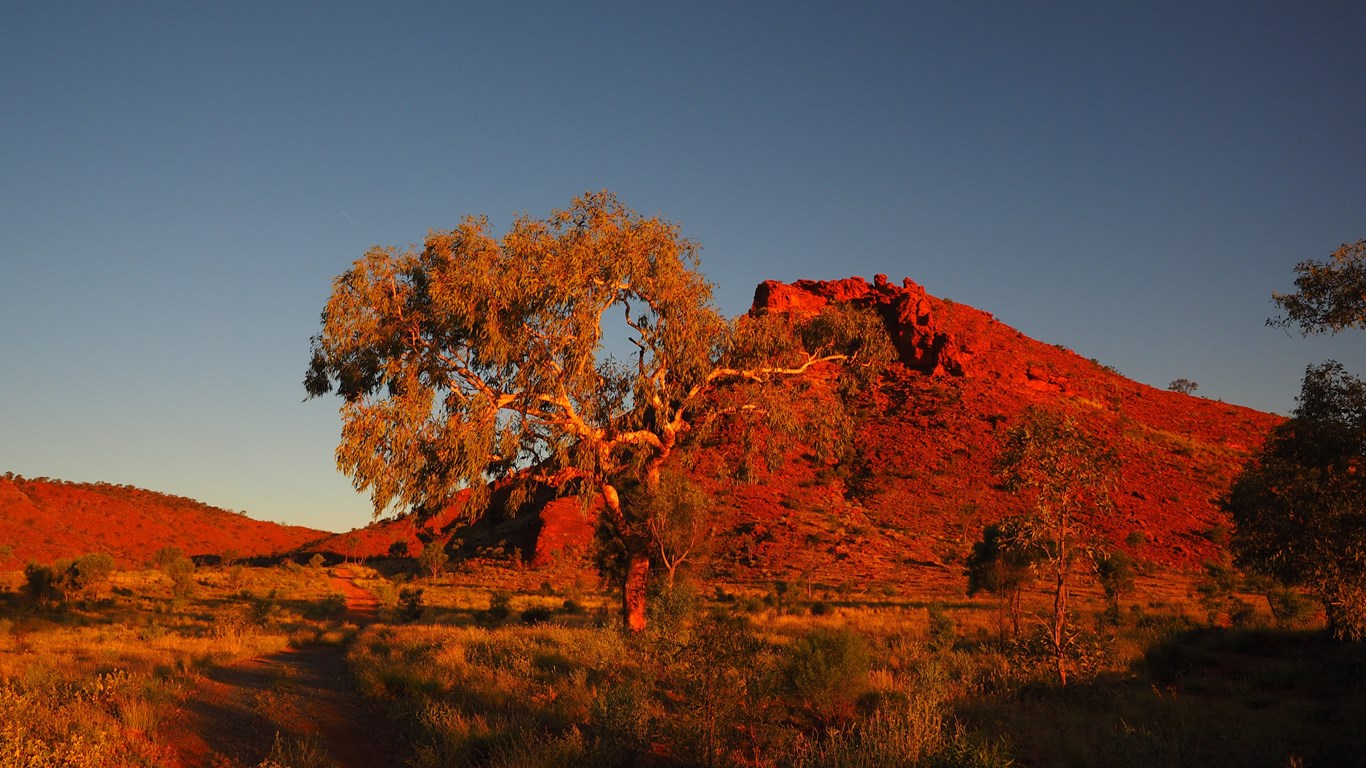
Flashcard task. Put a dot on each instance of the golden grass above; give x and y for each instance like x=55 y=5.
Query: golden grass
x=93 y=684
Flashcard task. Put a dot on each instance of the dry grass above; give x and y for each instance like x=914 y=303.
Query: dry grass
x=94 y=683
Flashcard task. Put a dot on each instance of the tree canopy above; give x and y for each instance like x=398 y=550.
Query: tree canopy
x=476 y=359
x=1299 y=507
x=1331 y=295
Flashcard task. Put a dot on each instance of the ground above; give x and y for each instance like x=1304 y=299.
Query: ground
x=300 y=703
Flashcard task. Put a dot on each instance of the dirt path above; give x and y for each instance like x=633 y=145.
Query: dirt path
x=302 y=697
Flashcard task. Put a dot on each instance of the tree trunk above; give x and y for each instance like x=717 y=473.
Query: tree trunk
x=633 y=592
x=1060 y=625
x=636 y=579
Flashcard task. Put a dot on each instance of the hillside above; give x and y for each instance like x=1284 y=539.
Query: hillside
x=42 y=520
x=920 y=487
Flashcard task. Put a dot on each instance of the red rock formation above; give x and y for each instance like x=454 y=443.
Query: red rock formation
x=907 y=311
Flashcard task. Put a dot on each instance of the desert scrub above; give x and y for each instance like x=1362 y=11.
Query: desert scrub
x=471 y=693
x=826 y=670
x=100 y=720
x=913 y=728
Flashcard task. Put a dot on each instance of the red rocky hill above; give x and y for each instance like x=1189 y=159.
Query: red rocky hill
x=911 y=503
x=43 y=520
x=923 y=485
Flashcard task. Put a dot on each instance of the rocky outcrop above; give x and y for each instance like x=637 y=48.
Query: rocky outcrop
x=907 y=311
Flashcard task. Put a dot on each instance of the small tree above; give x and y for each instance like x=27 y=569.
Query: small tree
x=1184 y=386
x=89 y=574
x=1299 y=506
x=433 y=557
x=1115 y=570
x=678 y=516
x=1068 y=476
x=480 y=359
x=1002 y=564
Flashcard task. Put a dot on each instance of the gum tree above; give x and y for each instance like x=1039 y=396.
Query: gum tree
x=1299 y=507
x=1330 y=295
x=1068 y=477
x=477 y=360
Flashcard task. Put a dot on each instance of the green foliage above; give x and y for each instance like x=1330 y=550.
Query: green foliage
x=1331 y=295
x=942 y=631
x=826 y=670
x=164 y=556
x=1184 y=386
x=1217 y=590
x=1116 y=573
x=1299 y=506
x=49 y=586
x=433 y=558
x=1068 y=475
x=1002 y=564
x=181 y=571
x=1289 y=609
x=43 y=585
x=81 y=724
x=715 y=676
x=678 y=515
x=410 y=604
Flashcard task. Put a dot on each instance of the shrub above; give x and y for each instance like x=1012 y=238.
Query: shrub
x=536 y=615
x=89 y=574
x=410 y=604
x=942 y=631
x=43 y=586
x=165 y=556
x=713 y=678
x=1289 y=609
x=826 y=671
x=500 y=607
x=181 y=571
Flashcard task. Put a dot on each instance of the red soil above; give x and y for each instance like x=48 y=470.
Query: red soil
x=43 y=520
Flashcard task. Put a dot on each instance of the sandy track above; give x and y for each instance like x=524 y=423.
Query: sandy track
x=306 y=696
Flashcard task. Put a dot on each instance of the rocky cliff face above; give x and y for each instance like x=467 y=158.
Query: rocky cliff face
x=906 y=311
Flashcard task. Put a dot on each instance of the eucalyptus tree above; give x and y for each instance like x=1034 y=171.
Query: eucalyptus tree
x=477 y=359
x=1299 y=506
x=1330 y=295
x=1068 y=475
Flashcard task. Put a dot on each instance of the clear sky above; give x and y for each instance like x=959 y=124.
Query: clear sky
x=180 y=182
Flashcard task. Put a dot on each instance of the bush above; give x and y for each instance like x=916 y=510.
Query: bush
x=500 y=608
x=43 y=585
x=536 y=615
x=1289 y=609
x=942 y=631
x=410 y=604
x=714 y=678
x=89 y=574
x=181 y=571
x=825 y=671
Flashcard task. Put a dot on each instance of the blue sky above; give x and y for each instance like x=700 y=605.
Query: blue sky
x=179 y=183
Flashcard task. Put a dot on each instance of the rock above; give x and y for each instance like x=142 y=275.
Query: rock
x=907 y=311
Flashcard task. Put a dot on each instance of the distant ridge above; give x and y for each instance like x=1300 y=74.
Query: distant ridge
x=43 y=520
